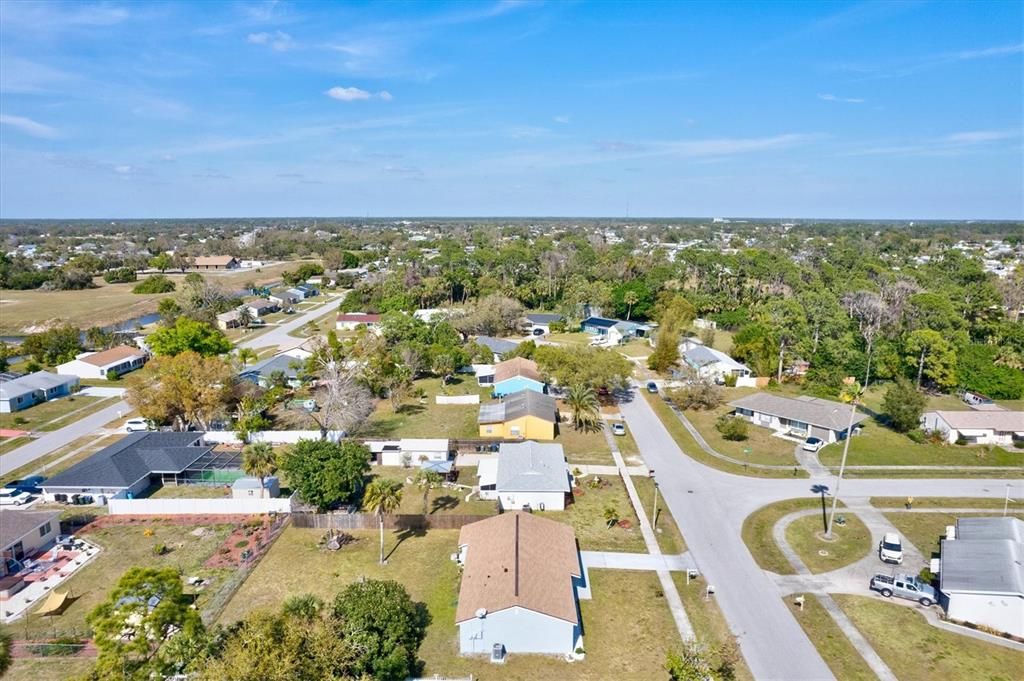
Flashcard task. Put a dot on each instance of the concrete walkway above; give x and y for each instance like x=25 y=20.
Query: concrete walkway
x=668 y=587
x=810 y=463
x=617 y=560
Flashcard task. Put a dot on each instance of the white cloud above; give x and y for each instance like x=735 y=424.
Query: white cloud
x=980 y=136
x=279 y=41
x=999 y=51
x=29 y=126
x=354 y=94
x=561 y=119
x=954 y=144
x=846 y=100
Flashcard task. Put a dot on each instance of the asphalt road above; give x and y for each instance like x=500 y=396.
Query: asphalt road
x=709 y=506
x=278 y=335
x=54 y=440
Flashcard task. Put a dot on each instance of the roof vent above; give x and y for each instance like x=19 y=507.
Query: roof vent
x=481 y=613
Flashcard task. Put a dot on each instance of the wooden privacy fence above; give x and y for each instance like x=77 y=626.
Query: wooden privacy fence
x=368 y=521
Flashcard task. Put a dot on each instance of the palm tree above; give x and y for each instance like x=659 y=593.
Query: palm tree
x=630 y=298
x=382 y=497
x=428 y=480
x=259 y=461
x=611 y=515
x=245 y=317
x=585 y=409
x=246 y=355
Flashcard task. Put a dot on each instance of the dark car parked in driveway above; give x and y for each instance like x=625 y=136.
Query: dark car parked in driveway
x=29 y=485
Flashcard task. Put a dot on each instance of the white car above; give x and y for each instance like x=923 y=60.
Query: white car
x=813 y=444
x=890 y=549
x=136 y=425
x=618 y=429
x=14 y=497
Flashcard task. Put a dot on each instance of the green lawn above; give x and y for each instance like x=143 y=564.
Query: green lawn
x=670 y=539
x=945 y=502
x=426 y=418
x=757 y=532
x=627 y=446
x=636 y=348
x=628 y=628
x=188 y=492
x=850 y=542
x=8 y=444
x=124 y=547
x=55 y=413
x=442 y=500
x=764 y=447
x=917 y=651
x=877 y=445
x=924 y=530
x=708 y=622
x=37 y=669
x=577 y=338
x=832 y=644
x=586 y=515
x=584 y=446
x=691 y=449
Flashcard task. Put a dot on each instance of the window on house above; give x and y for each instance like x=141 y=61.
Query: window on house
x=44 y=529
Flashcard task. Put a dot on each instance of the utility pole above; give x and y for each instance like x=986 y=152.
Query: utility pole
x=842 y=464
x=654 y=516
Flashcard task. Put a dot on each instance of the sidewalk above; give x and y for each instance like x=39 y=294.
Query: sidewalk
x=617 y=560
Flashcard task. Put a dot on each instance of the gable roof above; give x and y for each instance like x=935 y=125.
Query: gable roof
x=214 y=260
x=16 y=524
x=132 y=458
x=600 y=322
x=497 y=345
x=519 y=404
x=515 y=367
x=282 y=362
x=812 y=410
x=987 y=556
x=543 y=317
x=701 y=356
x=112 y=356
x=360 y=317
x=532 y=467
x=518 y=559
x=40 y=380
x=260 y=304
x=1012 y=421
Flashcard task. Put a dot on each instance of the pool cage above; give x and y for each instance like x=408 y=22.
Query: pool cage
x=212 y=468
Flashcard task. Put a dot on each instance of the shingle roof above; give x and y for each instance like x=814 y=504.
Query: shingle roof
x=40 y=380
x=359 y=317
x=112 y=356
x=517 y=366
x=518 y=404
x=986 y=557
x=261 y=304
x=497 y=345
x=134 y=457
x=1012 y=421
x=213 y=260
x=518 y=559
x=600 y=321
x=543 y=317
x=532 y=467
x=812 y=410
x=702 y=356
x=284 y=363
x=16 y=524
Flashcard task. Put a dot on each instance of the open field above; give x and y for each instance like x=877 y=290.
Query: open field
x=924 y=530
x=627 y=627
x=832 y=644
x=425 y=418
x=757 y=532
x=583 y=446
x=125 y=547
x=586 y=515
x=55 y=413
x=693 y=450
x=709 y=624
x=917 y=651
x=670 y=539
x=850 y=542
x=442 y=500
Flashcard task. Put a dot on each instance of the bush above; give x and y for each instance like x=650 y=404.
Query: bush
x=154 y=283
x=732 y=428
x=65 y=645
x=241 y=544
x=903 y=404
x=917 y=435
x=160 y=550
x=113 y=375
x=729 y=380
x=121 y=275
x=701 y=395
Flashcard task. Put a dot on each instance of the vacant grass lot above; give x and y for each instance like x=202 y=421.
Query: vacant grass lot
x=917 y=651
x=832 y=644
x=693 y=450
x=125 y=547
x=670 y=539
x=587 y=447
x=55 y=413
x=586 y=515
x=627 y=626
x=757 y=532
x=851 y=542
x=426 y=418
x=924 y=530
x=708 y=622
x=442 y=500
x=28 y=669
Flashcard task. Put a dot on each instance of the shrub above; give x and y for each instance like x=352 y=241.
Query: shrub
x=903 y=404
x=698 y=396
x=961 y=440
x=119 y=276
x=729 y=380
x=917 y=435
x=113 y=375
x=732 y=428
x=154 y=283
x=19 y=421
x=241 y=544
x=160 y=549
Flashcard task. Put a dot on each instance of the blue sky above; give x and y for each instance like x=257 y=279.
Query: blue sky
x=901 y=110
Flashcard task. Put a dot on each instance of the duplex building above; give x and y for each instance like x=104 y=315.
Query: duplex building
x=798 y=417
x=526 y=475
x=519 y=593
x=23 y=392
x=989 y=427
x=525 y=414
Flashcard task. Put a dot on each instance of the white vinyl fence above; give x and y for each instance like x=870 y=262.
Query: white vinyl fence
x=274 y=437
x=198 y=506
x=458 y=399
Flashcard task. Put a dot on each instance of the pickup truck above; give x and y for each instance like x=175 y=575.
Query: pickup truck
x=904 y=586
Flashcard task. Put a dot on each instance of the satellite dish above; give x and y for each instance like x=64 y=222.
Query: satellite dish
x=481 y=613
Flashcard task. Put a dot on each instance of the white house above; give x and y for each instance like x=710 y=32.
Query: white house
x=25 y=391
x=996 y=427
x=526 y=475
x=484 y=374
x=96 y=365
x=541 y=321
x=799 y=417
x=708 y=363
x=981 y=573
x=519 y=592
x=23 y=534
x=349 y=321
x=410 y=451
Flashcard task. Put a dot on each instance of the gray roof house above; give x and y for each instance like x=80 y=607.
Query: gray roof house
x=519 y=404
x=710 y=363
x=981 y=573
x=127 y=465
x=798 y=417
x=526 y=475
x=26 y=391
x=261 y=372
x=499 y=346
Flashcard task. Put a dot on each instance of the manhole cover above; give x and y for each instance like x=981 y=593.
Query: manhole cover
x=822 y=553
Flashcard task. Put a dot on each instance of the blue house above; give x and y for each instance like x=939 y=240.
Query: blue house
x=517 y=374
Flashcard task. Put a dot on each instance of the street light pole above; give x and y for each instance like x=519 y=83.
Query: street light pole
x=654 y=517
x=842 y=467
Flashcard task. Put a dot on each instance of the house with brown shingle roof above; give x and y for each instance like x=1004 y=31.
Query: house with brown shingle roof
x=989 y=427
x=100 y=365
x=517 y=374
x=216 y=262
x=520 y=580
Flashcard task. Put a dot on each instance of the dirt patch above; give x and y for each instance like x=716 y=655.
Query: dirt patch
x=246 y=543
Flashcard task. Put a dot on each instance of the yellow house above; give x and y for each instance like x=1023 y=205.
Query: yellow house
x=526 y=414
